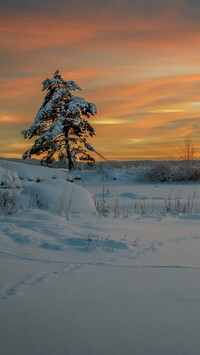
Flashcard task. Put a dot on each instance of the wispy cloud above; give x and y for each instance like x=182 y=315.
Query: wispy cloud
x=137 y=60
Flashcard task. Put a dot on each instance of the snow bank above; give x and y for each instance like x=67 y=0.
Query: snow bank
x=107 y=175
x=57 y=195
x=95 y=285
x=33 y=172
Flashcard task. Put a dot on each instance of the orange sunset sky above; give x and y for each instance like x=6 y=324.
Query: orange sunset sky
x=137 y=60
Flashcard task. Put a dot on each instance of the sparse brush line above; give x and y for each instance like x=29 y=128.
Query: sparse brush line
x=169 y=205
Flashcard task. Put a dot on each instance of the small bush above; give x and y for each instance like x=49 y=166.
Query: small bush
x=158 y=172
x=7 y=202
x=170 y=172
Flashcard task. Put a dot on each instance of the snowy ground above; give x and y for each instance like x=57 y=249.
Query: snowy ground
x=73 y=282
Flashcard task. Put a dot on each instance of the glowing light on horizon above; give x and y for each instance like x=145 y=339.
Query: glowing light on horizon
x=195 y=106
x=137 y=141
x=7 y=119
x=111 y=121
x=168 y=111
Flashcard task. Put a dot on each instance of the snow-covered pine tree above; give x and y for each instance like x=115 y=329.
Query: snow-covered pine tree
x=61 y=125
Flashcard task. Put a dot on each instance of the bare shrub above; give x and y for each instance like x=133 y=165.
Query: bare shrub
x=7 y=202
x=162 y=172
x=189 y=151
x=158 y=172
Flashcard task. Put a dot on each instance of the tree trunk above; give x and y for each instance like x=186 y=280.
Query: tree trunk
x=69 y=156
x=70 y=161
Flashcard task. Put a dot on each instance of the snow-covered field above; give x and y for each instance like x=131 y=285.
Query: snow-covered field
x=121 y=281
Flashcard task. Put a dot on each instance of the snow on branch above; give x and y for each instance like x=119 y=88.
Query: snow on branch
x=60 y=123
x=77 y=103
x=58 y=81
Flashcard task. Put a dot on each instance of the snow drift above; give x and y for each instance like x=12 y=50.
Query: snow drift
x=33 y=172
x=57 y=195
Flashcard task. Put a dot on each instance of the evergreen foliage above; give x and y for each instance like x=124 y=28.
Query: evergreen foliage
x=61 y=125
